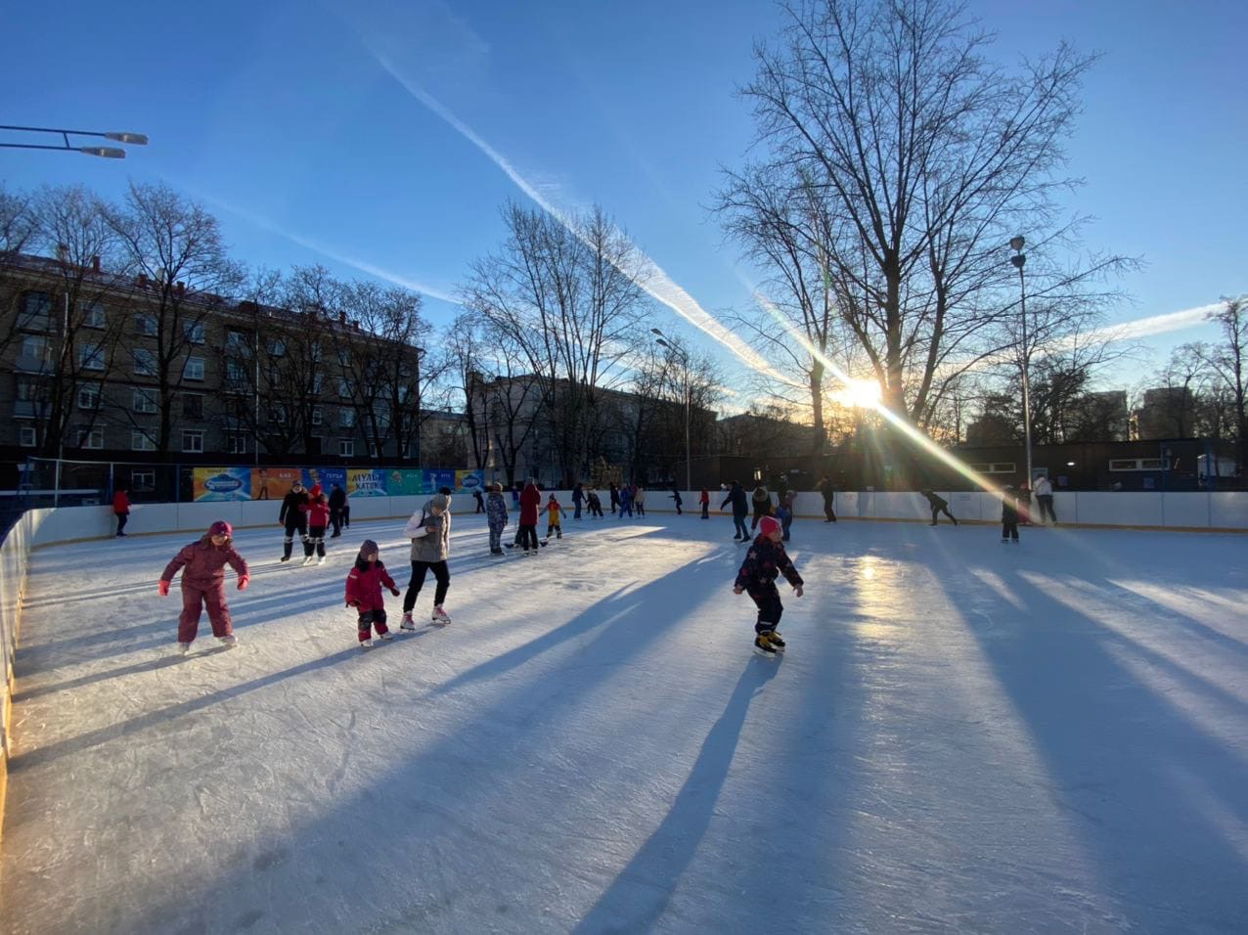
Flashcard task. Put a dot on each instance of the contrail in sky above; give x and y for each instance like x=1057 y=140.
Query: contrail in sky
x=645 y=272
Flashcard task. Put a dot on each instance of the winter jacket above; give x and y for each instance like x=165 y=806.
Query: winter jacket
x=364 y=584
x=203 y=564
x=552 y=508
x=530 y=500
x=1009 y=507
x=1043 y=488
x=640 y=496
x=121 y=503
x=495 y=510
x=764 y=563
x=292 y=505
x=318 y=514
x=578 y=494
x=337 y=499
x=436 y=545
x=761 y=499
x=736 y=496
x=937 y=502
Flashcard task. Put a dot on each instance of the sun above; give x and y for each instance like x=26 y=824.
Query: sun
x=862 y=394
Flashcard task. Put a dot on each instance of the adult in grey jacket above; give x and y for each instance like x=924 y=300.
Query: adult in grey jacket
x=430 y=533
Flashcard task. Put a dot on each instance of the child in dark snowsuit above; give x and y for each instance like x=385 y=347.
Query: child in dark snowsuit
x=203 y=584
x=763 y=564
x=496 y=517
x=1009 y=515
x=594 y=502
x=364 y=583
x=939 y=505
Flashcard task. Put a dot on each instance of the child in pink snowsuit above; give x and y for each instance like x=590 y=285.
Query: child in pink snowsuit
x=364 y=583
x=203 y=584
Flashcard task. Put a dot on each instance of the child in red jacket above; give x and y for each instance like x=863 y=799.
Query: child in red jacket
x=764 y=563
x=121 y=508
x=203 y=584
x=318 y=522
x=364 y=583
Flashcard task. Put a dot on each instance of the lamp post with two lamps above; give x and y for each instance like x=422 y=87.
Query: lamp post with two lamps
x=1019 y=260
x=106 y=152
x=671 y=346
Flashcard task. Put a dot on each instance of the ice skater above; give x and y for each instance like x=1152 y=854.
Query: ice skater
x=203 y=584
x=431 y=547
x=496 y=517
x=337 y=509
x=594 y=502
x=939 y=505
x=764 y=563
x=364 y=583
x=705 y=499
x=1009 y=514
x=121 y=508
x=761 y=499
x=740 y=510
x=293 y=516
x=553 y=512
x=318 y=521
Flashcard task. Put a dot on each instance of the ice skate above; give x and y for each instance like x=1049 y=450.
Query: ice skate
x=184 y=648
x=366 y=644
x=284 y=558
x=385 y=636
x=308 y=560
x=407 y=623
x=777 y=640
x=320 y=560
x=763 y=642
x=440 y=616
x=229 y=642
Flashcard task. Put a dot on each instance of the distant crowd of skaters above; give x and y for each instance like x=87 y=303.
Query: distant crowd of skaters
x=311 y=512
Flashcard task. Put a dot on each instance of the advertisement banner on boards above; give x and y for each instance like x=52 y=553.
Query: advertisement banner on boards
x=366 y=482
x=406 y=482
x=273 y=483
x=469 y=481
x=436 y=480
x=221 y=483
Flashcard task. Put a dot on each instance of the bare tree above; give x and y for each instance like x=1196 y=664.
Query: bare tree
x=18 y=224
x=557 y=292
x=174 y=250
x=923 y=160
x=1228 y=361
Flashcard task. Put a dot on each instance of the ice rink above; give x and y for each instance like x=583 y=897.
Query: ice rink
x=963 y=736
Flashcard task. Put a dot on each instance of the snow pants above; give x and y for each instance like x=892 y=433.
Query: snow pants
x=496 y=538
x=1046 y=507
x=738 y=521
x=555 y=528
x=314 y=541
x=828 y=500
x=769 y=608
x=299 y=523
x=1009 y=530
x=194 y=599
x=526 y=536
x=369 y=619
x=419 y=570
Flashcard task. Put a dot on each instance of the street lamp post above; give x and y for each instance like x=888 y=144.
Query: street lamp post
x=1019 y=260
x=688 y=404
x=106 y=152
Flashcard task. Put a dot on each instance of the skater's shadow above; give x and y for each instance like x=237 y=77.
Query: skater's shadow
x=150 y=665
x=638 y=896
x=166 y=715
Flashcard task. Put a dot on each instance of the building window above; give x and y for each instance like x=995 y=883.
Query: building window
x=144 y=362
x=277 y=347
x=89 y=396
x=33 y=354
x=237 y=342
x=92 y=314
x=90 y=438
x=193 y=331
x=346 y=418
x=995 y=467
x=318 y=416
x=194 y=369
x=235 y=374
x=143 y=481
x=27 y=437
x=144 y=401
x=237 y=442
x=1139 y=464
x=318 y=383
x=145 y=324
x=345 y=389
x=346 y=448
x=36 y=311
x=376 y=446
x=278 y=414
x=27 y=390
x=193 y=440
x=91 y=357
x=141 y=441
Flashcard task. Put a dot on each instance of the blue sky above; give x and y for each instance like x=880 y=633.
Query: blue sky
x=384 y=135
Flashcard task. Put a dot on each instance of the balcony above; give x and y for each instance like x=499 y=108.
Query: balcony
x=31 y=363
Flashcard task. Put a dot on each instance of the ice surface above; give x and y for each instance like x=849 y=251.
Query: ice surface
x=963 y=736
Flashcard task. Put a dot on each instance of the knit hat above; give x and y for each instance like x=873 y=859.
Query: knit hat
x=768 y=524
x=367 y=548
x=440 y=502
x=220 y=528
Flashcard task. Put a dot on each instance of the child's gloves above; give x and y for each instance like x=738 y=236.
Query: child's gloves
x=394 y=591
x=738 y=590
x=798 y=590
x=163 y=588
x=243 y=581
